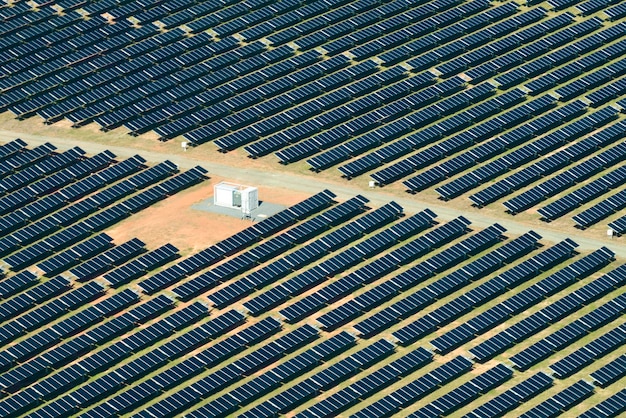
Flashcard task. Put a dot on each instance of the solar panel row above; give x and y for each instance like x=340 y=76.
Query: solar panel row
x=586 y=193
x=417 y=389
x=594 y=350
x=548 y=165
x=343 y=285
x=62 y=197
x=369 y=385
x=454 y=281
x=513 y=397
x=280 y=374
x=612 y=204
x=231 y=373
x=575 y=174
x=36 y=295
x=72 y=324
x=340 y=238
x=383 y=291
x=384 y=114
x=517 y=157
x=611 y=407
x=70 y=376
x=127 y=399
x=60 y=355
x=460 y=163
x=322 y=380
x=567 y=335
x=11 y=285
x=465 y=393
x=562 y=401
x=108 y=260
x=141 y=265
x=391 y=131
x=40 y=169
x=543 y=318
x=191 y=366
x=421 y=138
x=74 y=255
x=568 y=53
x=49 y=311
x=317 y=249
x=508 y=280
x=19 y=198
x=610 y=372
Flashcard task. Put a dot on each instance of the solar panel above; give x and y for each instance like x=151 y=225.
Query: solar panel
x=108 y=260
x=369 y=385
x=273 y=247
x=610 y=372
x=141 y=265
x=324 y=379
x=417 y=389
x=309 y=304
x=562 y=401
x=336 y=239
x=513 y=397
x=17 y=283
x=591 y=351
x=378 y=294
x=612 y=406
x=75 y=254
x=583 y=195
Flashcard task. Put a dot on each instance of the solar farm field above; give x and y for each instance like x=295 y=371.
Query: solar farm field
x=326 y=308
x=509 y=104
x=448 y=169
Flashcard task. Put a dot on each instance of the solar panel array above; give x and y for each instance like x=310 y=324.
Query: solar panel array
x=325 y=308
x=381 y=88
x=262 y=322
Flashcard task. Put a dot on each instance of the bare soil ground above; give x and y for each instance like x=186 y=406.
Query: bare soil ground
x=174 y=221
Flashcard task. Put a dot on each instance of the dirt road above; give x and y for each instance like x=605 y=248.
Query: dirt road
x=308 y=184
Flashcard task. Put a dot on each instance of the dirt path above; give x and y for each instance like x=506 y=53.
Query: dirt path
x=308 y=184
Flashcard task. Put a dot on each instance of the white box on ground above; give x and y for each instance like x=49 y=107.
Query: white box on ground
x=233 y=195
